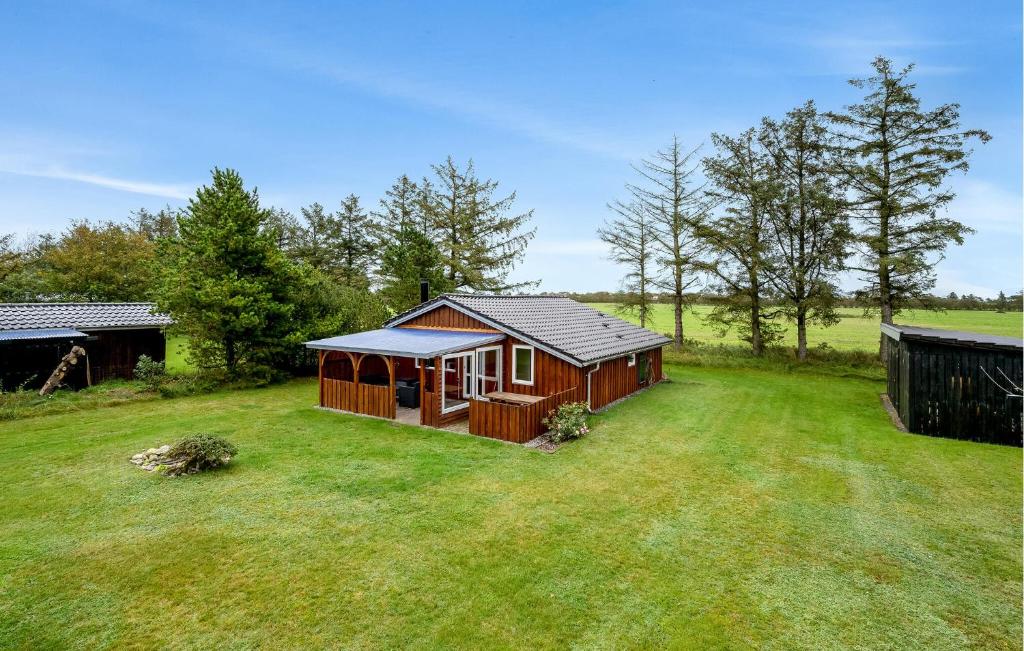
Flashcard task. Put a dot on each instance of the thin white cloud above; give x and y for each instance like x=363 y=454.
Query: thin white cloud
x=987 y=207
x=125 y=185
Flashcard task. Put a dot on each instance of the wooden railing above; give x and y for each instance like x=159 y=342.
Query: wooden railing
x=368 y=399
x=515 y=423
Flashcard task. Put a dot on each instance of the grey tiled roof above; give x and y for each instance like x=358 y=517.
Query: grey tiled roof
x=897 y=331
x=84 y=316
x=576 y=330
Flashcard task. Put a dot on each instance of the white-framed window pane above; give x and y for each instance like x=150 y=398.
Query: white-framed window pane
x=522 y=364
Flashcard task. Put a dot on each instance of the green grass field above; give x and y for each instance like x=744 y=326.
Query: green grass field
x=854 y=331
x=726 y=509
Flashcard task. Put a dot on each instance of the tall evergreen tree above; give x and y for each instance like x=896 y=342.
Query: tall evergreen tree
x=286 y=229
x=739 y=238
x=480 y=242
x=356 y=244
x=408 y=255
x=226 y=283
x=407 y=259
x=403 y=207
x=631 y=241
x=163 y=223
x=315 y=240
x=896 y=158
x=807 y=218
x=676 y=205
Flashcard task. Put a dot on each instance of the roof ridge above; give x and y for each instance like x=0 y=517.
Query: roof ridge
x=484 y=295
x=43 y=303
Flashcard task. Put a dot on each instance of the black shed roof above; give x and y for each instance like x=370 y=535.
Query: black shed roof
x=82 y=316
x=573 y=331
x=952 y=337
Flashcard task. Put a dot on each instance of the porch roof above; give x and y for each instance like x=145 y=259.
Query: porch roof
x=407 y=342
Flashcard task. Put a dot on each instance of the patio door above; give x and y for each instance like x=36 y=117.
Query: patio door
x=488 y=370
x=456 y=381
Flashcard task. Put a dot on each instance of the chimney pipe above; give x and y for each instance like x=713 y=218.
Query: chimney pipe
x=424 y=291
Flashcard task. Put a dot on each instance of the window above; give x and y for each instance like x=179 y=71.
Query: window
x=429 y=364
x=522 y=364
x=631 y=359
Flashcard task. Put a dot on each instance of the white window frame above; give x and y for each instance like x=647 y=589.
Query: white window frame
x=631 y=359
x=444 y=378
x=515 y=380
x=430 y=360
x=478 y=368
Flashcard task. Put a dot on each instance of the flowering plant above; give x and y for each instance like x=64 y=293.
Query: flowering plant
x=568 y=421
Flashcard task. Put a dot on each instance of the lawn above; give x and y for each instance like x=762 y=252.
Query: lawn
x=855 y=331
x=728 y=508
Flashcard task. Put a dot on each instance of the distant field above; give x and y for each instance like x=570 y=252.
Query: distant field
x=854 y=331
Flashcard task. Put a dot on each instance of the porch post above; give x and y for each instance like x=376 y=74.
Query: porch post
x=356 y=360
x=423 y=382
x=438 y=384
x=320 y=375
x=391 y=385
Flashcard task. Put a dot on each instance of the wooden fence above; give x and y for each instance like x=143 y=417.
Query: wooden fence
x=515 y=423
x=368 y=399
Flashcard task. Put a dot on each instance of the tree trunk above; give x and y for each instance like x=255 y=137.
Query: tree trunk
x=756 y=344
x=678 y=341
x=801 y=333
x=229 y=355
x=62 y=369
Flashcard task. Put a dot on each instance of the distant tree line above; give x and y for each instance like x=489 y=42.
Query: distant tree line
x=770 y=217
x=248 y=284
x=1001 y=303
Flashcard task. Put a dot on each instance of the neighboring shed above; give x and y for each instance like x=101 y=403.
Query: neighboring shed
x=34 y=337
x=955 y=384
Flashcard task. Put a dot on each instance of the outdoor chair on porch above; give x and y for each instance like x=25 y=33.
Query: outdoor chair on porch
x=408 y=393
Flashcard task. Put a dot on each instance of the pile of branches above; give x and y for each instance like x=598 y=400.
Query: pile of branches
x=190 y=455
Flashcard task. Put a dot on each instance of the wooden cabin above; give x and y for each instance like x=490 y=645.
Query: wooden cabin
x=34 y=337
x=963 y=385
x=496 y=364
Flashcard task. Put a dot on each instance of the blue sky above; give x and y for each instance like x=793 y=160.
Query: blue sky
x=108 y=107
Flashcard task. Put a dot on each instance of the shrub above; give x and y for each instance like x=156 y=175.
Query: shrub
x=568 y=421
x=198 y=452
x=150 y=372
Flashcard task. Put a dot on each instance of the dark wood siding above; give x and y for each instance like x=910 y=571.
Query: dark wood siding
x=446 y=317
x=940 y=390
x=550 y=374
x=617 y=379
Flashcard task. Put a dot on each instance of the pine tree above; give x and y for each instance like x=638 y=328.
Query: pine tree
x=807 y=219
x=739 y=238
x=405 y=261
x=676 y=205
x=315 y=241
x=226 y=284
x=286 y=229
x=408 y=255
x=153 y=226
x=480 y=242
x=630 y=238
x=896 y=157
x=356 y=245
x=403 y=207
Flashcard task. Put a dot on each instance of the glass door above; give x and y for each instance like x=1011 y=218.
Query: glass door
x=488 y=370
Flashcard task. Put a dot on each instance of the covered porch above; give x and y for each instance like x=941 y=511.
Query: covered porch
x=449 y=379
